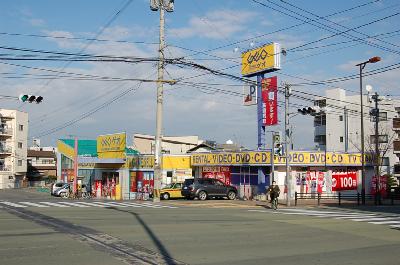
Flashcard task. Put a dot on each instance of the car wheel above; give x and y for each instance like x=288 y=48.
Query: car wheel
x=231 y=195
x=165 y=196
x=63 y=195
x=202 y=195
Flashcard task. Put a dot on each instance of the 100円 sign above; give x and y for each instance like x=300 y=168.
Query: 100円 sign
x=261 y=60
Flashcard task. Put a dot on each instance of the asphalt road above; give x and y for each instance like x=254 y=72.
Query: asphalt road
x=191 y=233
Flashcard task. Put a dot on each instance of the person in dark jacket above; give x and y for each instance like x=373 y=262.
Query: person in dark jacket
x=273 y=191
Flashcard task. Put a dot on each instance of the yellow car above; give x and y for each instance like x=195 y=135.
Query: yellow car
x=172 y=190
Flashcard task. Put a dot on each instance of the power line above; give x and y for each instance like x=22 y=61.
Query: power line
x=328 y=28
x=87 y=114
x=113 y=18
x=287 y=28
x=75 y=38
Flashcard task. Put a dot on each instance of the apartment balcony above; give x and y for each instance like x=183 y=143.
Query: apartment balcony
x=396 y=124
x=6 y=131
x=5 y=149
x=396 y=146
x=5 y=168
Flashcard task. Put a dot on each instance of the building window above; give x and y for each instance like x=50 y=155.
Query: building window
x=21 y=127
x=19 y=145
x=20 y=163
x=341 y=139
x=340 y=118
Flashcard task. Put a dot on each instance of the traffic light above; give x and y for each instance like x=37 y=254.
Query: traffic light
x=23 y=98
x=308 y=111
x=277 y=144
x=30 y=98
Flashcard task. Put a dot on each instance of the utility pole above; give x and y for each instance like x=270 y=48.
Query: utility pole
x=288 y=179
x=377 y=155
x=161 y=5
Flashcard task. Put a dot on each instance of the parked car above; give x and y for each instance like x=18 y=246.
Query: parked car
x=171 y=191
x=55 y=187
x=206 y=188
x=63 y=191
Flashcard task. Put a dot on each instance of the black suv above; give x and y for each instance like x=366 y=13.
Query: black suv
x=205 y=188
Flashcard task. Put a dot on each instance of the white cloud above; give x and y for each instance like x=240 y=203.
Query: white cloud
x=215 y=25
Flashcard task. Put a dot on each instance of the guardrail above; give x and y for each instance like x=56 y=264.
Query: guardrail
x=340 y=197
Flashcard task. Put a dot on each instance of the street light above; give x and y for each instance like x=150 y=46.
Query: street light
x=362 y=66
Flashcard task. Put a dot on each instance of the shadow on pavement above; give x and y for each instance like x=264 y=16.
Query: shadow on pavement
x=154 y=238
x=129 y=253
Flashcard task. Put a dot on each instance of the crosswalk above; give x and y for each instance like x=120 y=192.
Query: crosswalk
x=80 y=204
x=392 y=220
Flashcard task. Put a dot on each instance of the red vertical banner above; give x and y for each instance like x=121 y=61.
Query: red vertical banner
x=269 y=93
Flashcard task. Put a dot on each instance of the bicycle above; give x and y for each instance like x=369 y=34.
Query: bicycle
x=86 y=195
x=274 y=203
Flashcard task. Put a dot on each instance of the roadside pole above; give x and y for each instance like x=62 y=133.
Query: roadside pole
x=159 y=115
x=75 y=165
x=288 y=179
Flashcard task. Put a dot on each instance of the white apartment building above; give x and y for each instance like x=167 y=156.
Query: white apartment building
x=13 y=147
x=338 y=126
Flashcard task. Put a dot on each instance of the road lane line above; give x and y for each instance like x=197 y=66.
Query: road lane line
x=54 y=204
x=92 y=204
x=34 y=204
x=14 y=204
x=385 y=222
x=73 y=204
x=109 y=204
x=373 y=219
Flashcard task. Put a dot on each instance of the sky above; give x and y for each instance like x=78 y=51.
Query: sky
x=323 y=40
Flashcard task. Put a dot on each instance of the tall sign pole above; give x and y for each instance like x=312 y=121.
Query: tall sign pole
x=260 y=115
x=288 y=179
x=75 y=165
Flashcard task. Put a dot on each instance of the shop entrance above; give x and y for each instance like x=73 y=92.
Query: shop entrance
x=107 y=185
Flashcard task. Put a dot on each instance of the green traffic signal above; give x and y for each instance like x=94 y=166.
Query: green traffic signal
x=23 y=98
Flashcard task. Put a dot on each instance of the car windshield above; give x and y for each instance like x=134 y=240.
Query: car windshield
x=188 y=182
x=168 y=186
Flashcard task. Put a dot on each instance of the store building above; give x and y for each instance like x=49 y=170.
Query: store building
x=250 y=172
x=115 y=171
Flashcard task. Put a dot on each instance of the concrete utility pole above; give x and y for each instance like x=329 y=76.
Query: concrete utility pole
x=377 y=154
x=288 y=178
x=161 y=5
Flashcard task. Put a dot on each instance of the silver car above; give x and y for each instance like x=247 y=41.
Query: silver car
x=63 y=191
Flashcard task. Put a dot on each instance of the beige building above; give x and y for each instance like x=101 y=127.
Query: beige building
x=13 y=147
x=174 y=145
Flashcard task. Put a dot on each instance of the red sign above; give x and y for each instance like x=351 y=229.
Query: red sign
x=269 y=93
x=221 y=173
x=382 y=183
x=344 y=181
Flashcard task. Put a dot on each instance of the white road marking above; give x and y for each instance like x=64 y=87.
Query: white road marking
x=54 y=204
x=385 y=222
x=14 y=204
x=109 y=204
x=34 y=204
x=92 y=204
x=373 y=219
x=73 y=204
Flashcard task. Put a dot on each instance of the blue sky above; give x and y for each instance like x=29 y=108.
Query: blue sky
x=194 y=25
